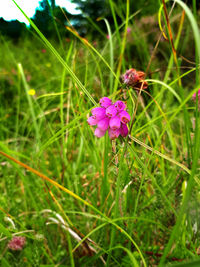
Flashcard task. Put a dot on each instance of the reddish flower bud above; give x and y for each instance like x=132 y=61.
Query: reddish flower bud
x=130 y=77
x=17 y=243
x=135 y=78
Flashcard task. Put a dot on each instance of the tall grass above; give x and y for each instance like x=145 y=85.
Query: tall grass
x=83 y=201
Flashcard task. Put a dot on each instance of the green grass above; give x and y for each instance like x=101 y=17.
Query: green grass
x=83 y=201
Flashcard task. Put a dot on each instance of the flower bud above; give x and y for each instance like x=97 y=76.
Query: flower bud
x=103 y=124
x=115 y=123
x=105 y=102
x=113 y=133
x=120 y=105
x=124 y=116
x=92 y=120
x=124 y=130
x=98 y=133
x=111 y=111
x=99 y=113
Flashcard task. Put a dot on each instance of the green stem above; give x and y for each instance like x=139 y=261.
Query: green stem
x=105 y=184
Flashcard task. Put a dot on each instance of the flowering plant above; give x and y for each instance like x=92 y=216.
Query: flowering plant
x=134 y=78
x=198 y=96
x=111 y=117
x=17 y=243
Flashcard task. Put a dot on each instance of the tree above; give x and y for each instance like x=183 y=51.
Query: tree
x=91 y=11
x=43 y=18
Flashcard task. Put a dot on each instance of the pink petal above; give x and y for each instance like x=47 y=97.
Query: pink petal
x=98 y=133
x=92 y=120
x=113 y=133
x=124 y=116
x=124 y=130
x=103 y=124
x=115 y=123
x=105 y=102
x=111 y=111
x=120 y=105
x=99 y=113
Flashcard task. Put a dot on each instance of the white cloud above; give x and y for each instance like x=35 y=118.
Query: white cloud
x=70 y=7
x=9 y=11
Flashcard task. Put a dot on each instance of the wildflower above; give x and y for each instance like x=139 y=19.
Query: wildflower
x=105 y=102
x=103 y=124
x=128 y=30
x=98 y=113
x=194 y=95
x=31 y=92
x=134 y=78
x=17 y=243
x=120 y=105
x=92 y=120
x=98 y=133
x=44 y=51
x=111 y=111
x=110 y=117
x=124 y=130
x=115 y=123
x=48 y=64
x=113 y=133
x=124 y=116
x=194 y=98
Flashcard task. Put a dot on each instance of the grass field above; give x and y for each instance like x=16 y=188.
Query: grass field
x=80 y=200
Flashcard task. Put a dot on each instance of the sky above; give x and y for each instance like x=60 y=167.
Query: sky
x=9 y=11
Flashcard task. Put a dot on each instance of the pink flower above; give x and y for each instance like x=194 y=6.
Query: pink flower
x=105 y=102
x=128 y=30
x=115 y=123
x=120 y=105
x=103 y=124
x=134 y=78
x=17 y=243
x=98 y=133
x=92 y=120
x=44 y=51
x=124 y=116
x=98 y=113
x=110 y=117
x=194 y=98
x=124 y=130
x=113 y=133
x=194 y=95
x=111 y=111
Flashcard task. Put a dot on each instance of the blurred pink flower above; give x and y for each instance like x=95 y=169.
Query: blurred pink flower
x=128 y=30
x=134 y=78
x=194 y=95
x=194 y=98
x=17 y=243
x=44 y=50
